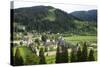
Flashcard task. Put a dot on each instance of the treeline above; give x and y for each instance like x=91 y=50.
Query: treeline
x=63 y=55
x=79 y=54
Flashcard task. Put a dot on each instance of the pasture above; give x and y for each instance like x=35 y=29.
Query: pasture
x=76 y=39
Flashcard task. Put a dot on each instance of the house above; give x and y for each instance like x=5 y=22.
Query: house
x=50 y=42
x=61 y=41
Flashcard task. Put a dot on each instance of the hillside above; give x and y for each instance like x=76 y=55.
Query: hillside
x=90 y=15
x=49 y=19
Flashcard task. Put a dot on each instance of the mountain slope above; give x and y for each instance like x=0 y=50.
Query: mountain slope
x=90 y=15
x=49 y=19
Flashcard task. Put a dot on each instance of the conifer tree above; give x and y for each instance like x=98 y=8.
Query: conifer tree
x=58 y=55
x=91 y=55
x=64 y=54
x=79 y=55
x=73 y=57
x=42 y=57
x=18 y=58
x=84 y=52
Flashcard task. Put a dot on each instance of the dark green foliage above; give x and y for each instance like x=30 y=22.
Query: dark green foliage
x=37 y=41
x=73 y=57
x=45 y=19
x=21 y=43
x=58 y=55
x=79 y=54
x=44 y=38
x=91 y=55
x=64 y=54
x=84 y=52
x=61 y=54
x=42 y=57
x=18 y=58
x=90 y=15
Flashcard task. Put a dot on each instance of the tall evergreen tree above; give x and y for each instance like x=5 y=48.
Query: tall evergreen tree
x=18 y=58
x=42 y=57
x=64 y=54
x=58 y=54
x=79 y=54
x=84 y=52
x=73 y=57
x=91 y=55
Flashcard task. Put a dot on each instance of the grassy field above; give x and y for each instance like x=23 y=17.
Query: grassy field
x=28 y=56
x=23 y=50
x=76 y=39
x=50 y=59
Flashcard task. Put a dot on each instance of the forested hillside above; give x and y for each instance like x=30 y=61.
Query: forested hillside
x=49 y=19
x=90 y=15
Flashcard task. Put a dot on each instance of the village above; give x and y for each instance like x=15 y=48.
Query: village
x=46 y=48
x=50 y=45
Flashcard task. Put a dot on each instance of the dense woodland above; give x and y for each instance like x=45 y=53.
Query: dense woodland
x=49 y=19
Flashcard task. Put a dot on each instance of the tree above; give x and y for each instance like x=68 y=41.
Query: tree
x=18 y=58
x=61 y=54
x=79 y=55
x=58 y=55
x=21 y=43
x=42 y=57
x=64 y=54
x=73 y=57
x=84 y=52
x=37 y=41
x=44 y=38
x=91 y=55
